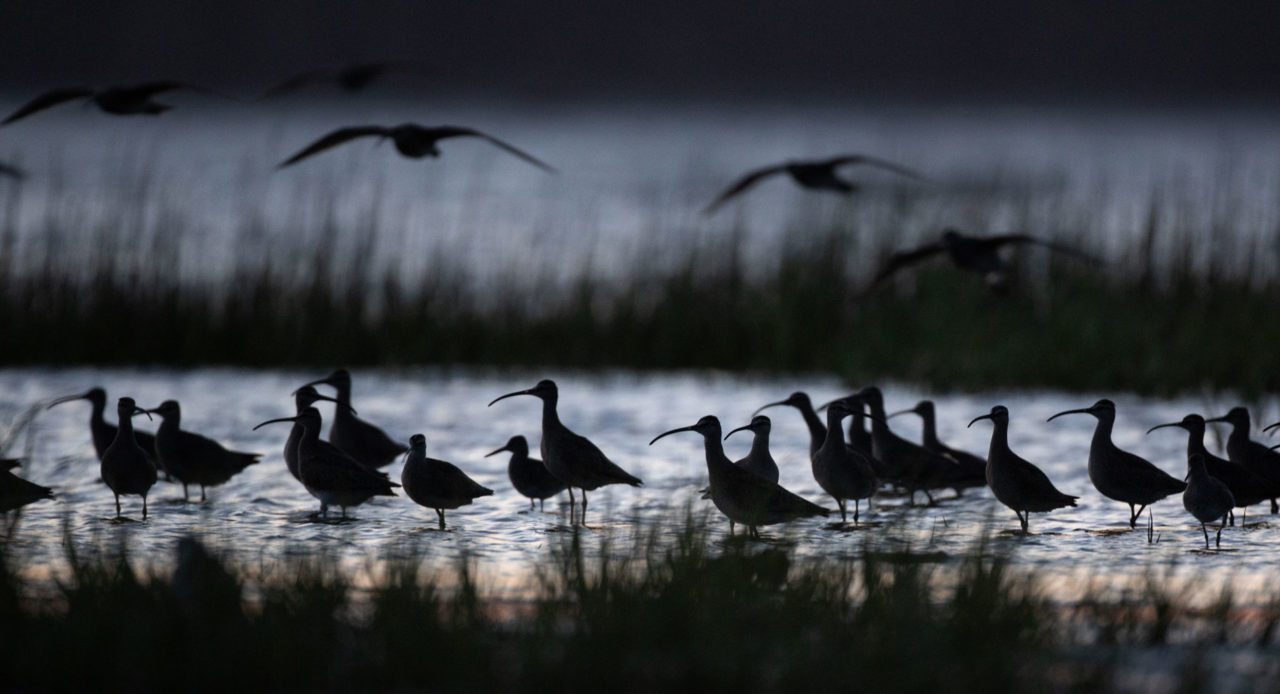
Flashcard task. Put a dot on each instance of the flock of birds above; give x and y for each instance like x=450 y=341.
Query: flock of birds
x=979 y=255
x=345 y=471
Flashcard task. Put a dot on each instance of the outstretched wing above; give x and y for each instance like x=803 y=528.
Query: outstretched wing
x=741 y=185
x=903 y=259
x=11 y=171
x=860 y=159
x=48 y=100
x=293 y=84
x=1005 y=239
x=447 y=131
x=333 y=139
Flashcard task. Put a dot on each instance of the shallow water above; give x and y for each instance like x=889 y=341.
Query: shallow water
x=265 y=512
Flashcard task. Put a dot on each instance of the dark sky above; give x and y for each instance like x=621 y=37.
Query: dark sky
x=686 y=48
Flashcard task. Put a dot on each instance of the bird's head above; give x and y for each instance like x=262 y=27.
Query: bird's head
x=759 y=424
x=998 y=414
x=516 y=445
x=418 y=444
x=1237 y=417
x=308 y=417
x=545 y=390
x=340 y=380
x=1103 y=409
x=924 y=408
x=96 y=396
x=797 y=399
x=126 y=409
x=708 y=426
x=168 y=408
x=306 y=396
x=1192 y=423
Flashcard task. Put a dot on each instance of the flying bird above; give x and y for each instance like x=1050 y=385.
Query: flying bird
x=352 y=78
x=11 y=171
x=411 y=140
x=976 y=254
x=120 y=100
x=816 y=174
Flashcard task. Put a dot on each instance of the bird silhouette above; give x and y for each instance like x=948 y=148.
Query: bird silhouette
x=1206 y=497
x=125 y=466
x=972 y=468
x=977 y=254
x=352 y=78
x=437 y=484
x=104 y=433
x=814 y=174
x=356 y=437
x=1255 y=457
x=1246 y=488
x=11 y=171
x=120 y=100
x=1014 y=481
x=192 y=458
x=16 y=492
x=528 y=475
x=411 y=140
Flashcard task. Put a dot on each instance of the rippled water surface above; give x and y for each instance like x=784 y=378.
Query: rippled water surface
x=264 y=511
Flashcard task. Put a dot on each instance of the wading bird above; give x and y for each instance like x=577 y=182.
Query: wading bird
x=1250 y=454
x=356 y=437
x=16 y=492
x=915 y=467
x=1206 y=497
x=192 y=458
x=411 y=140
x=125 y=466
x=801 y=402
x=330 y=475
x=528 y=475
x=742 y=496
x=102 y=432
x=124 y=100
x=571 y=458
x=973 y=468
x=812 y=174
x=352 y=78
x=841 y=471
x=1246 y=488
x=304 y=397
x=758 y=461
x=1120 y=475
x=1016 y=483
x=977 y=254
x=437 y=484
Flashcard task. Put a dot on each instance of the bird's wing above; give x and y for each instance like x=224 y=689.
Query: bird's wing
x=150 y=89
x=461 y=483
x=741 y=185
x=603 y=467
x=903 y=259
x=860 y=159
x=448 y=131
x=12 y=171
x=333 y=139
x=46 y=100
x=292 y=84
x=1005 y=239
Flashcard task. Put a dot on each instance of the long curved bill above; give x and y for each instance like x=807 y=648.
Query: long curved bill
x=979 y=419
x=668 y=433
x=891 y=415
x=1216 y=419
x=509 y=395
x=67 y=398
x=772 y=404
x=496 y=451
x=1162 y=426
x=138 y=410
x=1080 y=411
x=1269 y=427
x=274 y=421
x=335 y=401
x=744 y=427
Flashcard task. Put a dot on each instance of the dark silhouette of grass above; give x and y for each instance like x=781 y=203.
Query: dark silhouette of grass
x=640 y=615
x=1176 y=308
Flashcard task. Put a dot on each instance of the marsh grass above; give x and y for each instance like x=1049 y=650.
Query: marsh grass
x=638 y=615
x=1185 y=302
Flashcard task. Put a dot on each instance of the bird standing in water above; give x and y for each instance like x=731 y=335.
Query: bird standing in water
x=192 y=458
x=528 y=475
x=437 y=484
x=1016 y=483
x=1206 y=497
x=125 y=466
x=356 y=437
x=571 y=458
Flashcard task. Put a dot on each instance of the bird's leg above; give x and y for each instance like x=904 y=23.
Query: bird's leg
x=1206 y=534
x=1244 y=515
x=1231 y=517
x=117 y=506
x=840 y=503
x=730 y=527
x=202 y=497
x=929 y=496
x=144 y=507
x=1132 y=517
x=584 y=505
x=1275 y=508
x=855 y=511
x=440 y=513
x=571 y=504
x=1218 y=542
x=542 y=504
x=344 y=512
x=530 y=504
x=185 y=496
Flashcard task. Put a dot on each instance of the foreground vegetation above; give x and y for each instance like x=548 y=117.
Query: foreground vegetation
x=1179 y=306
x=640 y=617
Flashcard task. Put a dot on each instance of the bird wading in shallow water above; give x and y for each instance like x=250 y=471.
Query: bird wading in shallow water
x=1016 y=483
x=436 y=484
x=529 y=476
x=357 y=438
